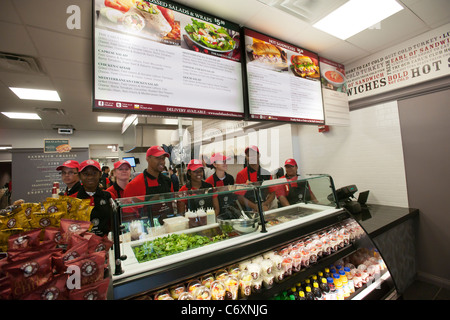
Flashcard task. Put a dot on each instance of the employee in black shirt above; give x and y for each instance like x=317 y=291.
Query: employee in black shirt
x=70 y=177
x=101 y=214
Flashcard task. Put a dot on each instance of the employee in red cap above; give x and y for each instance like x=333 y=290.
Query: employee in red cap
x=101 y=214
x=195 y=174
x=122 y=173
x=69 y=176
x=152 y=182
x=219 y=179
x=294 y=191
x=254 y=173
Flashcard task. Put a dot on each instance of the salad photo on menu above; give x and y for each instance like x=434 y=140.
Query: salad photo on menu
x=209 y=36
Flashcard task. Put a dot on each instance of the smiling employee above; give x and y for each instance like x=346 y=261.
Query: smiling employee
x=101 y=214
x=195 y=174
x=152 y=182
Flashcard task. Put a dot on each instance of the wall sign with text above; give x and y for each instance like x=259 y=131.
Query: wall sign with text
x=420 y=59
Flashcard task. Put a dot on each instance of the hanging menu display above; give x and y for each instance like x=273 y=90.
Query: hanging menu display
x=163 y=57
x=334 y=90
x=283 y=80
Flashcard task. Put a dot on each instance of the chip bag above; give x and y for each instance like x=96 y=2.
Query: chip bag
x=24 y=240
x=91 y=267
x=95 y=291
x=54 y=289
x=27 y=275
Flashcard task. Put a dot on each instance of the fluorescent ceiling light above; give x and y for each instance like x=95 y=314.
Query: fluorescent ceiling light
x=110 y=119
x=22 y=115
x=36 y=94
x=5 y=148
x=355 y=16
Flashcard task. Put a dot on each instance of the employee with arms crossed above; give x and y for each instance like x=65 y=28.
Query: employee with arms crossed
x=69 y=175
x=254 y=173
x=295 y=191
x=150 y=182
x=101 y=214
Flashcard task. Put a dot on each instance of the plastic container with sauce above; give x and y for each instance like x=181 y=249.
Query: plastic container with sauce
x=176 y=224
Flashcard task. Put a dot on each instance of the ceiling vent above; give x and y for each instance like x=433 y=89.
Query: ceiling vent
x=55 y=111
x=19 y=63
x=309 y=11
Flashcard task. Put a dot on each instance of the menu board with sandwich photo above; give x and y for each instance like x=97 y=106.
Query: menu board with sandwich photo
x=163 y=57
x=283 y=80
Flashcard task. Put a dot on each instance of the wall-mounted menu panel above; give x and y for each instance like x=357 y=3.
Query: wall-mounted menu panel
x=334 y=90
x=163 y=57
x=283 y=80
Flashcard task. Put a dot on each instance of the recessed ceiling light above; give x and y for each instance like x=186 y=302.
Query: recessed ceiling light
x=110 y=119
x=355 y=16
x=22 y=115
x=36 y=94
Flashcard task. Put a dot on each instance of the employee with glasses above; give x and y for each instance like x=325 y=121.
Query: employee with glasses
x=69 y=174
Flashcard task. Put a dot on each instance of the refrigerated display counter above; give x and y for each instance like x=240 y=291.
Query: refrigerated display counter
x=215 y=230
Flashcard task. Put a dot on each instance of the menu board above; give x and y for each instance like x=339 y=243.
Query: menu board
x=36 y=185
x=163 y=57
x=283 y=80
x=334 y=90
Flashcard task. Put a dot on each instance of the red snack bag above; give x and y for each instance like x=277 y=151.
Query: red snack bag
x=19 y=255
x=75 y=252
x=53 y=233
x=75 y=240
x=95 y=291
x=91 y=267
x=54 y=289
x=97 y=243
x=69 y=227
x=28 y=274
x=24 y=240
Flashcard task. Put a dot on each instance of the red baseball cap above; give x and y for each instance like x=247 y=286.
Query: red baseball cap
x=156 y=151
x=218 y=157
x=73 y=164
x=91 y=163
x=121 y=162
x=290 y=162
x=254 y=148
x=194 y=164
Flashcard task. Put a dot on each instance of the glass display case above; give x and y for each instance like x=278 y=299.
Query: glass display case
x=173 y=238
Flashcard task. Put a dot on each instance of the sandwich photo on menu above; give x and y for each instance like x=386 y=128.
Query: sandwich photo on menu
x=267 y=55
x=305 y=67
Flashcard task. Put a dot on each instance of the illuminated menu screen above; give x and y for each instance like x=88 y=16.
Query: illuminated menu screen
x=163 y=57
x=283 y=81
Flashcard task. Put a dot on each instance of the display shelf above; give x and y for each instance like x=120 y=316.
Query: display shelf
x=297 y=277
x=231 y=251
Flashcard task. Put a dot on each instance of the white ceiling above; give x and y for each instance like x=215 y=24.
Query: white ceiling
x=38 y=28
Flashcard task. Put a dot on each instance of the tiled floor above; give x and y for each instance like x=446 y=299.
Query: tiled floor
x=420 y=290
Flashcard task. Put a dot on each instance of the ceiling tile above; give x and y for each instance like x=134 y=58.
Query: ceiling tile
x=8 y=13
x=67 y=69
x=9 y=33
x=387 y=32
x=61 y=46
x=52 y=15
